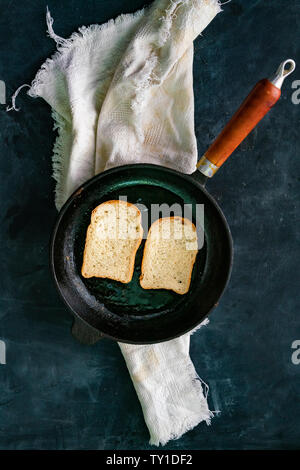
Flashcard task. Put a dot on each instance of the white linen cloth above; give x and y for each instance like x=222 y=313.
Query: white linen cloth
x=122 y=93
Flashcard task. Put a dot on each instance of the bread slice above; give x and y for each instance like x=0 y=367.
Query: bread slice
x=112 y=240
x=169 y=255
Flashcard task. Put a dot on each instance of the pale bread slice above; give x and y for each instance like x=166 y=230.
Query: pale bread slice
x=169 y=255
x=112 y=240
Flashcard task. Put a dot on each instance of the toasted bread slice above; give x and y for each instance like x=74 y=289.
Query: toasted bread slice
x=169 y=255
x=112 y=240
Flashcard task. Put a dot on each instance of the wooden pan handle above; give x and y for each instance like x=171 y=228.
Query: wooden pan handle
x=257 y=104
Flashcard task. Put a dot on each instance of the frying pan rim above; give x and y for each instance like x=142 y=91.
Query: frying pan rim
x=190 y=179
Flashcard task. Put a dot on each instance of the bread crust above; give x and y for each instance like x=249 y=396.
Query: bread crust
x=137 y=245
x=146 y=249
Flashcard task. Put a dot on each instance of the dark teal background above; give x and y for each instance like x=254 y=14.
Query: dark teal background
x=57 y=394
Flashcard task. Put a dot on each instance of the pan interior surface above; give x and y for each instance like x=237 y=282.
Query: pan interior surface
x=126 y=311
x=131 y=298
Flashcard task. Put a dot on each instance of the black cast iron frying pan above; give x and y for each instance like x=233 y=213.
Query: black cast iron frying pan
x=126 y=312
